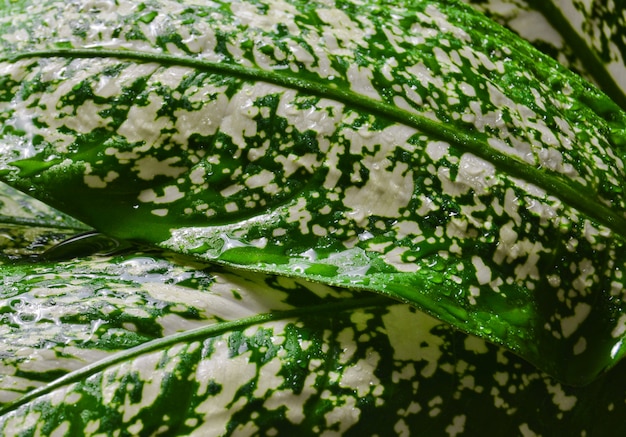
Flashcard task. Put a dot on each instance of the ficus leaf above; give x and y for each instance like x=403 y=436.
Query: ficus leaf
x=417 y=150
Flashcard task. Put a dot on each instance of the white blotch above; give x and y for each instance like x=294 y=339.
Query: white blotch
x=560 y=398
x=620 y=327
x=384 y=193
x=148 y=167
x=143 y=124
x=263 y=179
x=170 y=194
x=95 y=181
x=360 y=79
x=403 y=228
x=231 y=190
x=476 y=173
x=206 y=116
x=511 y=206
x=417 y=344
x=525 y=431
x=580 y=346
x=343 y=416
x=457 y=426
x=570 y=324
x=483 y=272
x=395 y=258
x=219 y=408
x=361 y=376
x=299 y=213
x=437 y=150
x=533 y=26
x=475 y=345
x=196 y=176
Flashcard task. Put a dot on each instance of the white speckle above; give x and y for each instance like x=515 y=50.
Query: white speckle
x=437 y=150
x=360 y=79
x=476 y=173
x=394 y=258
x=231 y=207
x=384 y=194
x=231 y=190
x=483 y=273
x=526 y=431
x=95 y=181
x=580 y=346
x=457 y=426
x=475 y=344
x=148 y=167
x=263 y=179
x=171 y=193
x=299 y=213
x=344 y=415
x=570 y=324
x=361 y=375
x=620 y=327
x=559 y=398
x=417 y=344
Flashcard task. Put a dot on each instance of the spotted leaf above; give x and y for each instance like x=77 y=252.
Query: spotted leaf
x=585 y=36
x=151 y=344
x=415 y=150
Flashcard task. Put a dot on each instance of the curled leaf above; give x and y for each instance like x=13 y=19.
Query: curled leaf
x=147 y=345
x=417 y=150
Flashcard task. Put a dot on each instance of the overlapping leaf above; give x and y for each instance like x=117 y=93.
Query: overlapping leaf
x=585 y=36
x=144 y=344
x=417 y=150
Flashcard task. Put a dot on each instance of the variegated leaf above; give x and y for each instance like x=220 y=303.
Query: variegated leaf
x=587 y=36
x=417 y=150
x=143 y=345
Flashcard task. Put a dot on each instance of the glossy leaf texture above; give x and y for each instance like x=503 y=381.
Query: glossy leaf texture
x=28 y=227
x=586 y=36
x=417 y=150
x=149 y=344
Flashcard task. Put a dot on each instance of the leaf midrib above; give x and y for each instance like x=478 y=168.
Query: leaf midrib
x=571 y=192
x=196 y=334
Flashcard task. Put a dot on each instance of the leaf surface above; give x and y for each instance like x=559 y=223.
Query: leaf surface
x=419 y=151
x=585 y=36
x=143 y=344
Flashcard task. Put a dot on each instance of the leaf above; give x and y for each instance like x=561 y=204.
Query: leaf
x=419 y=151
x=142 y=344
x=28 y=227
x=586 y=36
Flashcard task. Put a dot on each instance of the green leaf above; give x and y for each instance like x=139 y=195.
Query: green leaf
x=28 y=227
x=148 y=344
x=416 y=150
x=585 y=36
